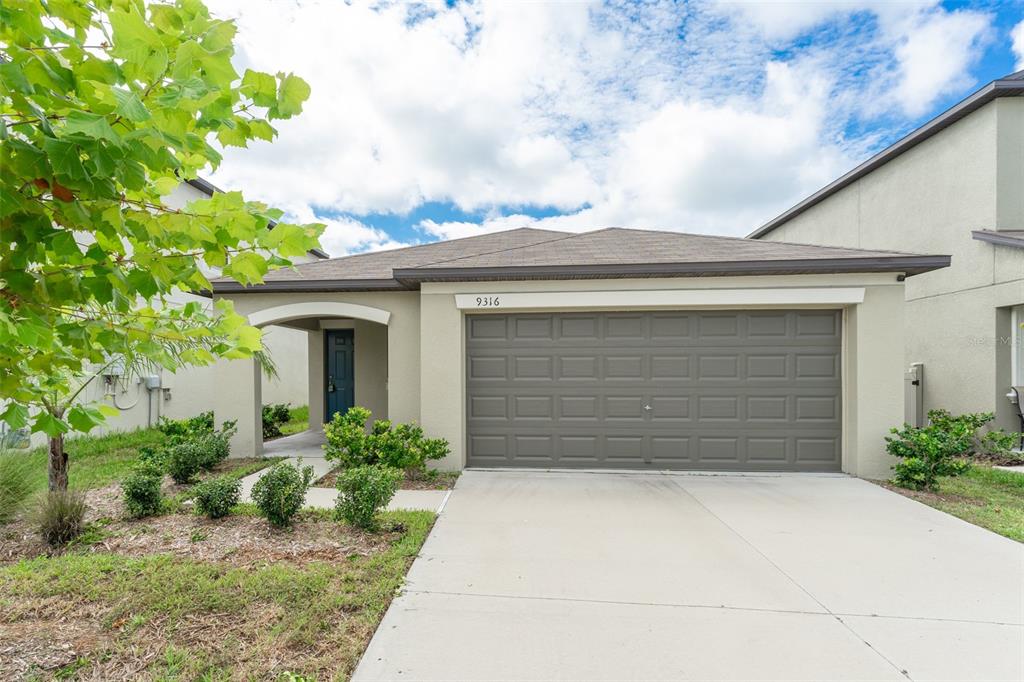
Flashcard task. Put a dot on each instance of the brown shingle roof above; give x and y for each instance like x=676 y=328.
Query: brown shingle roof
x=528 y=253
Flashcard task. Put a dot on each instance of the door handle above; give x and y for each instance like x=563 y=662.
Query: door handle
x=647 y=407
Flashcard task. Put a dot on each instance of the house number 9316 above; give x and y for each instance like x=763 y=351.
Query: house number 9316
x=488 y=301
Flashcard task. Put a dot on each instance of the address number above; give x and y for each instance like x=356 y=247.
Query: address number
x=488 y=301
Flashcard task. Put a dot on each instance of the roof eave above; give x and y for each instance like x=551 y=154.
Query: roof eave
x=998 y=88
x=289 y=286
x=993 y=237
x=908 y=265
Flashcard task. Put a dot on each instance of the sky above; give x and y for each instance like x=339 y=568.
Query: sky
x=439 y=120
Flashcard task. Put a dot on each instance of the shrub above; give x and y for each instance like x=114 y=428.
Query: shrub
x=15 y=484
x=998 y=447
x=155 y=456
x=185 y=460
x=141 y=489
x=280 y=492
x=401 y=446
x=216 y=497
x=181 y=429
x=61 y=516
x=363 y=490
x=273 y=417
x=935 y=450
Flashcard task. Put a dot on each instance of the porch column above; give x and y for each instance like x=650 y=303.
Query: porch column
x=239 y=397
x=316 y=379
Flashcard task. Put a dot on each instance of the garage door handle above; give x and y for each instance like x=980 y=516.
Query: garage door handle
x=647 y=407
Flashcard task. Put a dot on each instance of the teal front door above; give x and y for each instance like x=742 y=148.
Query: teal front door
x=341 y=382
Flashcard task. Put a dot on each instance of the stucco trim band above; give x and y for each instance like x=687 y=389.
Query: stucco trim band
x=292 y=311
x=566 y=300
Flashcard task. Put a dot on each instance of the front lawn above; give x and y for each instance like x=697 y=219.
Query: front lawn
x=297 y=422
x=985 y=496
x=94 y=461
x=183 y=597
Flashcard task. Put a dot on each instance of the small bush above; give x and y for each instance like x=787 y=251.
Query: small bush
x=153 y=455
x=363 y=491
x=141 y=489
x=273 y=417
x=402 y=446
x=280 y=492
x=216 y=497
x=181 y=429
x=185 y=460
x=15 y=484
x=60 y=517
x=938 y=449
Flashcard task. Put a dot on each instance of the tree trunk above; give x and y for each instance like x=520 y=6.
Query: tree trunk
x=58 y=464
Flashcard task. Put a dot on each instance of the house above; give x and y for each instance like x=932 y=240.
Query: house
x=191 y=390
x=956 y=186
x=616 y=348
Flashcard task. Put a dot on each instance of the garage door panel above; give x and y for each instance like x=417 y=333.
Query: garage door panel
x=664 y=390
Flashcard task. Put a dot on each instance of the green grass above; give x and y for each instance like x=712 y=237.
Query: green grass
x=314 y=618
x=987 y=497
x=94 y=461
x=299 y=421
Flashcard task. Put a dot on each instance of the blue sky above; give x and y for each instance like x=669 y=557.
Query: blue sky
x=440 y=119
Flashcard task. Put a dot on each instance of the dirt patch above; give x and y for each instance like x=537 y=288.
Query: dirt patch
x=443 y=480
x=47 y=643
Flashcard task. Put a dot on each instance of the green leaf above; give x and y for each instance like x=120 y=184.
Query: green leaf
x=15 y=416
x=261 y=87
x=130 y=106
x=49 y=425
x=292 y=92
x=91 y=125
x=84 y=419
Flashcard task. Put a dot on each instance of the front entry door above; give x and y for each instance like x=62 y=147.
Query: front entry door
x=340 y=381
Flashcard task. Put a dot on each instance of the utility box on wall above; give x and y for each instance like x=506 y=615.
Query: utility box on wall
x=913 y=385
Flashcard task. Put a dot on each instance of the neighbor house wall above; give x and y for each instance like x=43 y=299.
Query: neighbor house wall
x=967 y=177
x=873 y=372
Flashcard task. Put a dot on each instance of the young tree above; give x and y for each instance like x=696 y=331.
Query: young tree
x=106 y=106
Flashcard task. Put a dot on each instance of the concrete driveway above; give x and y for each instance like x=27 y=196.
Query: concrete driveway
x=579 y=576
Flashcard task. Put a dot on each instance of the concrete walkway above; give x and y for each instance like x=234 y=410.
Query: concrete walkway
x=577 y=576
x=308 y=446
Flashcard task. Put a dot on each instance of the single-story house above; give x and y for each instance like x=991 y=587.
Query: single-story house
x=616 y=348
x=956 y=186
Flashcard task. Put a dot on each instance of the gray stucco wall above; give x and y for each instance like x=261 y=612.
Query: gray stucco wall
x=970 y=176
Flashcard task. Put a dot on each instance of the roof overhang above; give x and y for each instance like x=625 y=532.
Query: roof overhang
x=1012 y=86
x=409 y=279
x=1013 y=238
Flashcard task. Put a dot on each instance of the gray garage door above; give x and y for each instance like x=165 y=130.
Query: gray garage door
x=741 y=391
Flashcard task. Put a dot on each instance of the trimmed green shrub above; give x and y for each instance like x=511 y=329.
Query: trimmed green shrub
x=181 y=429
x=60 y=517
x=141 y=489
x=273 y=416
x=280 y=492
x=938 y=449
x=154 y=456
x=363 y=491
x=401 y=446
x=185 y=460
x=15 y=484
x=217 y=496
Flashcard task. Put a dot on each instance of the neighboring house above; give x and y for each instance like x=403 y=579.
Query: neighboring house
x=955 y=186
x=618 y=348
x=193 y=390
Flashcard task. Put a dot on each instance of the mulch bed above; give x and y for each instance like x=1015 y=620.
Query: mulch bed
x=442 y=481
x=237 y=540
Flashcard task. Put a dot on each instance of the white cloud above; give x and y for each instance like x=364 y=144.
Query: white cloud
x=662 y=115
x=1017 y=35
